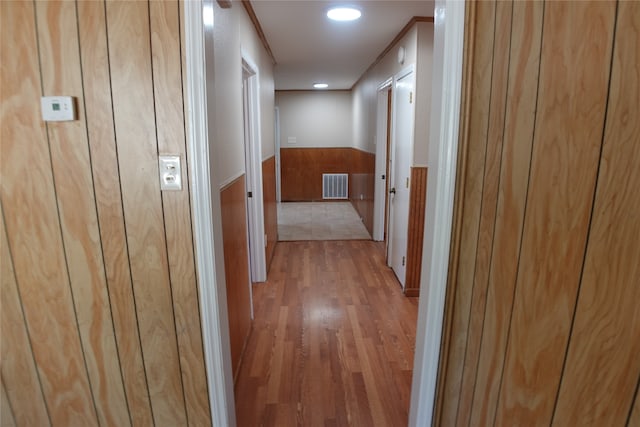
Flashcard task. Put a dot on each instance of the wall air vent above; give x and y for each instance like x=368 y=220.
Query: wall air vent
x=335 y=186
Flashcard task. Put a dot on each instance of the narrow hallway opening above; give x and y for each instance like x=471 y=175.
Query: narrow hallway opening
x=332 y=342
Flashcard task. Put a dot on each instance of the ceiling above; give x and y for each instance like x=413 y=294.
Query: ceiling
x=310 y=48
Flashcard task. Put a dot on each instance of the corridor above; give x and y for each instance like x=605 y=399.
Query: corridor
x=332 y=341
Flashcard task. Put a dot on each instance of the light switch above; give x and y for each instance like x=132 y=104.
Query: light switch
x=170 y=174
x=57 y=108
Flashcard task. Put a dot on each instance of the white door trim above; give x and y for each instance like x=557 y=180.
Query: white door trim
x=382 y=125
x=447 y=83
x=207 y=227
x=443 y=152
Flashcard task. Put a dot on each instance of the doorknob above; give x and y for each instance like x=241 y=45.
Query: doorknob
x=392 y=191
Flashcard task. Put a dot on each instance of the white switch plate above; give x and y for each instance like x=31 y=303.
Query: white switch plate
x=170 y=173
x=57 y=108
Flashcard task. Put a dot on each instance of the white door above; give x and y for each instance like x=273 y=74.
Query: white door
x=402 y=154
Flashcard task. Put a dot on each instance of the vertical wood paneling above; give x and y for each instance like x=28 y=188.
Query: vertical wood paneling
x=490 y=183
x=132 y=89
x=106 y=179
x=516 y=157
x=560 y=327
x=362 y=166
x=6 y=413
x=270 y=206
x=19 y=374
x=602 y=366
x=29 y=201
x=634 y=415
x=568 y=136
x=472 y=171
x=167 y=69
x=415 y=233
x=61 y=70
x=236 y=267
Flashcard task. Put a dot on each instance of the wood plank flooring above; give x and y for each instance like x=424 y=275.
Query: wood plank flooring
x=332 y=342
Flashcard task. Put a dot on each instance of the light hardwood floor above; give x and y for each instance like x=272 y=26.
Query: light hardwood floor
x=332 y=341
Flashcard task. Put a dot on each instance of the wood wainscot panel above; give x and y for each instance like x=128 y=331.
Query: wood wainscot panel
x=415 y=233
x=270 y=207
x=362 y=185
x=236 y=266
x=302 y=169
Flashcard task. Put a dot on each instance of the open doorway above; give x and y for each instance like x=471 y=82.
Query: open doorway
x=442 y=158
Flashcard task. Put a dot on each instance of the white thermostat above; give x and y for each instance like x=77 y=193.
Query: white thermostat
x=58 y=108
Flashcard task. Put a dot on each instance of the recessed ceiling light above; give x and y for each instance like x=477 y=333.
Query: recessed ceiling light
x=343 y=14
x=320 y=85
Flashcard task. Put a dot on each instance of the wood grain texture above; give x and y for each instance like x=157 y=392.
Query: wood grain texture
x=634 y=414
x=236 y=266
x=470 y=176
x=362 y=185
x=602 y=365
x=270 y=206
x=19 y=373
x=514 y=173
x=132 y=90
x=106 y=182
x=7 y=418
x=71 y=164
x=31 y=215
x=490 y=184
x=302 y=169
x=167 y=80
x=415 y=233
x=566 y=151
x=332 y=342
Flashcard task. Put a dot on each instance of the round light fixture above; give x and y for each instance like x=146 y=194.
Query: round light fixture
x=344 y=13
x=320 y=85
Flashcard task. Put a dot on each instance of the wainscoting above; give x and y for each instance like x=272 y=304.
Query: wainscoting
x=362 y=183
x=270 y=206
x=100 y=313
x=415 y=233
x=236 y=266
x=302 y=170
x=541 y=322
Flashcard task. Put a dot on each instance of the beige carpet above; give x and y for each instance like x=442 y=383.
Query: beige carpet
x=319 y=221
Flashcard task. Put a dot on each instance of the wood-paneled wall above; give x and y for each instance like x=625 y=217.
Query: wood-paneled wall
x=362 y=183
x=542 y=323
x=100 y=312
x=302 y=169
x=415 y=231
x=270 y=206
x=236 y=266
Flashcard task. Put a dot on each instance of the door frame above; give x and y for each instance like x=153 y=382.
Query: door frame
x=382 y=128
x=253 y=170
x=443 y=149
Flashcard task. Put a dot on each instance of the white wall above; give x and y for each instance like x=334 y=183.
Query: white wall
x=418 y=44
x=315 y=118
x=424 y=73
x=234 y=33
